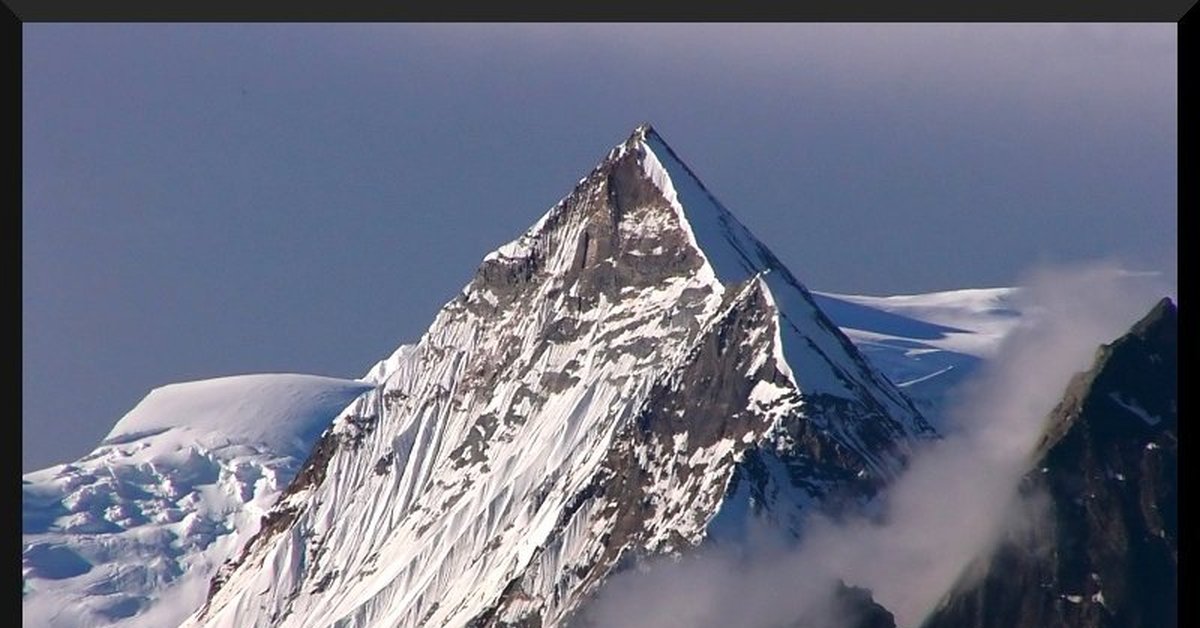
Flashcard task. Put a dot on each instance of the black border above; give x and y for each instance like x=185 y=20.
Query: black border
x=1188 y=107
x=10 y=35
x=829 y=10
x=15 y=12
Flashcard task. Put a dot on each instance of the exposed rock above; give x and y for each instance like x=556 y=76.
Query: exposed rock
x=1106 y=554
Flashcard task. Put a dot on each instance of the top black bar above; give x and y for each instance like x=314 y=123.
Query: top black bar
x=742 y=11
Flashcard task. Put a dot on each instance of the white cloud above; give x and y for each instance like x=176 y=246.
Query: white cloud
x=946 y=509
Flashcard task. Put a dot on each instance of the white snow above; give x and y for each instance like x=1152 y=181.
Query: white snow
x=927 y=343
x=1136 y=409
x=132 y=533
x=735 y=255
x=283 y=413
x=385 y=367
x=766 y=393
x=657 y=173
x=969 y=322
x=712 y=230
x=924 y=378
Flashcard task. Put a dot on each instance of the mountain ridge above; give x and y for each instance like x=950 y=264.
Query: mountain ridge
x=636 y=375
x=961 y=308
x=564 y=344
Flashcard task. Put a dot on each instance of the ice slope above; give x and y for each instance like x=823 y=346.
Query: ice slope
x=132 y=533
x=927 y=343
x=607 y=383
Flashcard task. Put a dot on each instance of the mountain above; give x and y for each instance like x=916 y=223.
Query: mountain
x=216 y=411
x=927 y=344
x=1105 y=554
x=634 y=375
x=131 y=533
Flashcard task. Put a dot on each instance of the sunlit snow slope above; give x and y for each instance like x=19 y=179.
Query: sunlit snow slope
x=132 y=533
x=633 y=375
x=927 y=343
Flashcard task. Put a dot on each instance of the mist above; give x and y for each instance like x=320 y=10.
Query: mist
x=951 y=504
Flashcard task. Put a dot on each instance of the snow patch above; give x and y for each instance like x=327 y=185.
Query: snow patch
x=131 y=534
x=1136 y=409
x=283 y=413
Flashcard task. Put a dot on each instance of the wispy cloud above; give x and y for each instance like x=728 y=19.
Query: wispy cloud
x=949 y=506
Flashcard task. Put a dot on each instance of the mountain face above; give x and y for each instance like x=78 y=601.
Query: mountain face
x=131 y=533
x=263 y=426
x=1106 y=555
x=632 y=376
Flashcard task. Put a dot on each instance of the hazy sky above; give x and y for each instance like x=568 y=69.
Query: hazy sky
x=205 y=200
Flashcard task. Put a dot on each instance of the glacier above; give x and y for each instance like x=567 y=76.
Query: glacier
x=131 y=533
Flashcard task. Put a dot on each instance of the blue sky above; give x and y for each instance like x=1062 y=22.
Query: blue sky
x=205 y=200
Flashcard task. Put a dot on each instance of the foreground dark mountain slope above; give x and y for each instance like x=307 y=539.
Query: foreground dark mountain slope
x=633 y=375
x=1105 y=554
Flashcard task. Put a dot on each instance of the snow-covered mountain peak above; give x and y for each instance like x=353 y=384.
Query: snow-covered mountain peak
x=644 y=170
x=634 y=375
x=607 y=383
x=642 y=206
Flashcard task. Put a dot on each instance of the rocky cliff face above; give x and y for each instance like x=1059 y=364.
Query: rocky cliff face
x=1106 y=552
x=633 y=375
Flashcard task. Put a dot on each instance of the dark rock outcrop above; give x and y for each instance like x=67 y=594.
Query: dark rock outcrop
x=1106 y=553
